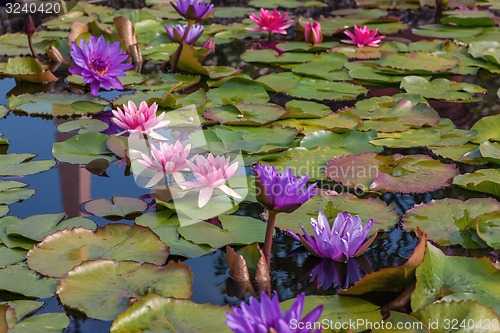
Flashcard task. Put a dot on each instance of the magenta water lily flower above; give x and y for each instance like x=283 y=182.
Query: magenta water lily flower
x=168 y=159
x=100 y=63
x=266 y=316
x=139 y=120
x=272 y=22
x=193 y=9
x=176 y=32
x=313 y=32
x=281 y=192
x=363 y=37
x=211 y=172
x=345 y=239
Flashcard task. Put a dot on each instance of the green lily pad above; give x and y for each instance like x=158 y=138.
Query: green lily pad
x=82 y=149
x=63 y=250
x=407 y=139
x=3 y=111
x=446 y=31
x=11 y=256
x=384 y=216
x=393 y=173
x=353 y=141
x=4 y=210
x=488 y=128
x=24 y=308
x=57 y=105
x=490 y=151
x=489 y=51
x=285 y=3
x=164 y=223
x=419 y=63
x=273 y=58
x=156 y=313
x=244 y=114
x=19 y=279
x=22 y=165
x=14 y=191
x=116 y=285
x=442 y=89
x=83 y=126
x=368 y=73
x=484 y=180
x=235 y=230
x=117 y=207
x=488 y=229
x=279 y=82
x=456 y=222
x=42 y=323
x=239 y=90
x=468 y=18
x=305 y=109
x=26 y=69
x=316 y=69
x=317 y=89
x=131 y=78
x=449 y=278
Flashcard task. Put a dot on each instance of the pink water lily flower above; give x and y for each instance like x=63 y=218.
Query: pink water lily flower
x=363 y=37
x=313 y=32
x=274 y=22
x=211 y=172
x=139 y=120
x=168 y=159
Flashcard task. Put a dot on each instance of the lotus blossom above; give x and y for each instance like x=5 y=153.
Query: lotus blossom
x=193 y=9
x=168 y=159
x=211 y=172
x=142 y=120
x=363 y=37
x=274 y=22
x=100 y=63
x=281 y=193
x=266 y=316
x=313 y=32
x=176 y=33
x=346 y=238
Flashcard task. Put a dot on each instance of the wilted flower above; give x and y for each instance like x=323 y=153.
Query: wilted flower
x=99 y=62
x=313 y=33
x=346 y=238
x=274 y=22
x=169 y=159
x=142 y=120
x=193 y=9
x=266 y=316
x=176 y=32
x=211 y=172
x=363 y=37
x=281 y=193
x=210 y=46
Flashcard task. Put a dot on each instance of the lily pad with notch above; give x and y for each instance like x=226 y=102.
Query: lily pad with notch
x=119 y=207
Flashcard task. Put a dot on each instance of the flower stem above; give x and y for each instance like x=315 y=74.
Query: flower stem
x=269 y=37
x=268 y=243
x=177 y=54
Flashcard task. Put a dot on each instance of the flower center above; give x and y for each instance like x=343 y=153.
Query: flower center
x=99 y=66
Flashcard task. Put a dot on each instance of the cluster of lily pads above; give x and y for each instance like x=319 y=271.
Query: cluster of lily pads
x=319 y=171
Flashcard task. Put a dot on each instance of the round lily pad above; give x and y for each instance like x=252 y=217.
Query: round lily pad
x=82 y=148
x=419 y=63
x=456 y=222
x=239 y=90
x=117 y=285
x=244 y=114
x=484 y=180
x=22 y=165
x=117 y=207
x=60 y=252
x=353 y=141
x=393 y=173
x=83 y=126
x=442 y=89
x=488 y=128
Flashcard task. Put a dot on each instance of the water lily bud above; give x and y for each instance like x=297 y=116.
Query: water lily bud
x=29 y=27
x=313 y=33
x=210 y=46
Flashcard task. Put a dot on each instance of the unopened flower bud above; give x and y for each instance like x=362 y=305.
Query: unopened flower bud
x=29 y=27
x=210 y=46
x=313 y=33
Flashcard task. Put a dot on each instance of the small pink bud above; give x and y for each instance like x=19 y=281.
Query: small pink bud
x=313 y=33
x=210 y=46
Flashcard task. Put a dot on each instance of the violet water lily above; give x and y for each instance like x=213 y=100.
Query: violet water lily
x=266 y=316
x=211 y=172
x=167 y=159
x=140 y=120
x=193 y=10
x=100 y=63
x=363 y=37
x=273 y=22
x=345 y=239
x=176 y=32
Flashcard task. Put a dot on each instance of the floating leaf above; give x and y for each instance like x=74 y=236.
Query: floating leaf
x=83 y=126
x=273 y=57
x=244 y=114
x=239 y=90
x=26 y=69
x=455 y=222
x=117 y=207
x=484 y=180
x=488 y=128
x=325 y=90
x=116 y=285
x=420 y=63
x=468 y=18
x=446 y=31
x=82 y=149
x=353 y=141
x=11 y=256
x=13 y=191
x=156 y=313
x=57 y=105
x=305 y=109
x=393 y=173
x=442 y=89
x=448 y=278
x=407 y=139
x=490 y=151
x=60 y=252
x=22 y=165
x=489 y=51
x=19 y=279
x=42 y=323
x=235 y=230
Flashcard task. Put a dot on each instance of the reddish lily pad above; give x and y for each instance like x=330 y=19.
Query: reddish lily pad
x=117 y=207
x=393 y=173
x=60 y=252
x=117 y=285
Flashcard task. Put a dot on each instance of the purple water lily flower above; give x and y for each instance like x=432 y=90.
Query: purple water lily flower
x=346 y=238
x=176 y=32
x=193 y=9
x=281 y=192
x=99 y=62
x=266 y=316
